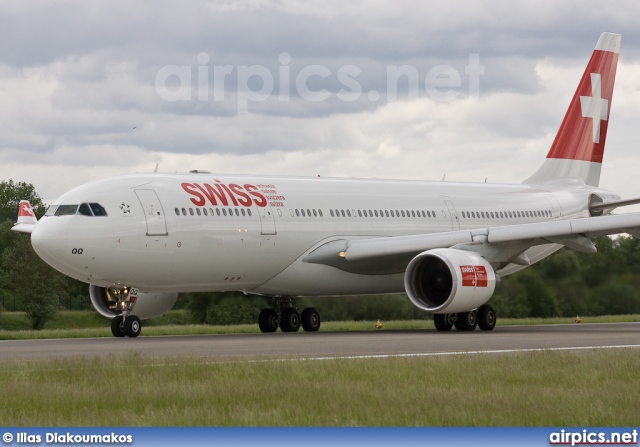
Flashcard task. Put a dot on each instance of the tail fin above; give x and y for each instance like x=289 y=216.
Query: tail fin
x=26 y=218
x=578 y=148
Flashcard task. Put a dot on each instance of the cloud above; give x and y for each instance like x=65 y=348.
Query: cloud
x=76 y=78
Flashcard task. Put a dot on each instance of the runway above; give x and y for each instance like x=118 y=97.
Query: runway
x=336 y=344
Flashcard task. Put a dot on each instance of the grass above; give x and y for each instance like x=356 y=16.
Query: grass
x=87 y=324
x=536 y=389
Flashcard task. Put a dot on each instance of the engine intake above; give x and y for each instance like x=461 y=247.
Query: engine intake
x=148 y=305
x=447 y=280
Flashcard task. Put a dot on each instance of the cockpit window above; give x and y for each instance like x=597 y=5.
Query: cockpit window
x=51 y=210
x=84 y=210
x=66 y=210
x=98 y=210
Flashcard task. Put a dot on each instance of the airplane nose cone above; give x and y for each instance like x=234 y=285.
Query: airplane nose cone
x=49 y=240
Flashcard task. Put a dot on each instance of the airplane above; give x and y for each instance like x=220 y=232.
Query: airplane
x=140 y=240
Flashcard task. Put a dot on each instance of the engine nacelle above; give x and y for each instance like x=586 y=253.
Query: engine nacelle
x=445 y=280
x=148 y=305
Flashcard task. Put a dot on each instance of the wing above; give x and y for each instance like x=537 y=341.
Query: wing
x=500 y=245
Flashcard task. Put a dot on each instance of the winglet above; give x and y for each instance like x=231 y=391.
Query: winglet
x=27 y=219
x=578 y=148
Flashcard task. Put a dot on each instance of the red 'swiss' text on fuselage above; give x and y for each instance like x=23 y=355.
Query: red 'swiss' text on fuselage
x=222 y=194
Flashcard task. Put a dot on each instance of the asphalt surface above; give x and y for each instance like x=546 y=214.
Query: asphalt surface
x=336 y=344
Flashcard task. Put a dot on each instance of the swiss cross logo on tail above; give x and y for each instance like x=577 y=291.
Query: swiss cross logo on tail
x=583 y=131
x=578 y=148
x=595 y=106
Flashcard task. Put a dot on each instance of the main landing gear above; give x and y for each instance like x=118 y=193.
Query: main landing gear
x=484 y=316
x=125 y=324
x=286 y=317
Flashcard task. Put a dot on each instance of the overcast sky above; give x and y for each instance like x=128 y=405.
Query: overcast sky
x=94 y=89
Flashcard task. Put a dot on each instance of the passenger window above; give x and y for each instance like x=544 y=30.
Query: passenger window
x=204 y=210
x=402 y=211
x=198 y=212
x=348 y=213
x=177 y=212
x=218 y=211
x=320 y=212
x=211 y=211
x=360 y=213
x=191 y=211
x=224 y=211
x=331 y=211
x=314 y=213
x=237 y=212
x=249 y=212
x=242 y=211
x=342 y=213
x=308 y=212
x=184 y=212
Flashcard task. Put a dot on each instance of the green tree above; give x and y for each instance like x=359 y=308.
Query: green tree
x=38 y=287
x=11 y=193
x=614 y=298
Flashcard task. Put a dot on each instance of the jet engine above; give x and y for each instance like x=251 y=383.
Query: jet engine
x=148 y=305
x=447 y=280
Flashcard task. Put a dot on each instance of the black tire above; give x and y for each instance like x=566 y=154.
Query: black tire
x=443 y=322
x=268 y=320
x=117 y=327
x=486 y=318
x=132 y=326
x=290 y=320
x=467 y=321
x=310 y=319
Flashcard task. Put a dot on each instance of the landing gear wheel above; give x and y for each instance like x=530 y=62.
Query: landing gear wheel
x=132 y=326
x=290 y=320
x=467 y=321
x=443 y=322
x=310 y=319
x=268 y=320
x=486 y=318
x=117 y=327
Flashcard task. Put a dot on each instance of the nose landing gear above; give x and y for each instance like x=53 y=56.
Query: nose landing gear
x=125 y=324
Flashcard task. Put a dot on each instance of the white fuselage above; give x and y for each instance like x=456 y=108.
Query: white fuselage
x=203 y=232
